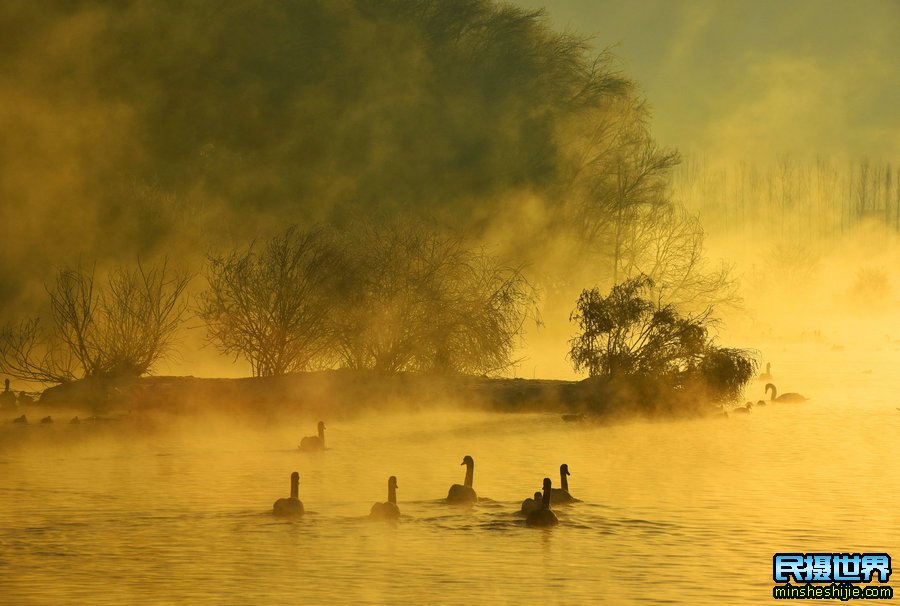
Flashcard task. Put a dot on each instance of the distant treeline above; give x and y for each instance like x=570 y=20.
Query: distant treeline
x=806 y=201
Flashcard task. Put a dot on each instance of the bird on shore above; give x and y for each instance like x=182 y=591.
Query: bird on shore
x=543 y=516
x=314 y=442
x=464 y=493
x=561 y=495
x=387 y=510
x=290 y=507
x=785 y=397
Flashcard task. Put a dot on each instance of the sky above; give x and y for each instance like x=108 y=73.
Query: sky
x=756 y=79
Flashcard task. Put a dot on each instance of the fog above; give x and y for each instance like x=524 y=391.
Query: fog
x=388 y=216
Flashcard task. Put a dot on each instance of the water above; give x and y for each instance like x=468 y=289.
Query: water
x=686 y=512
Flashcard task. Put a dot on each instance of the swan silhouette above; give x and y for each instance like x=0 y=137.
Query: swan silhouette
x=785 y=397
x=314 y=442
x=47 y=419
x=561 y=495
x=767 y=376
x=529 y=505
x=464 y=493
x=387 y=510
x=21 y=419
x=290 y=507
x=745 y=409
x=543 y=516
x=760 y=403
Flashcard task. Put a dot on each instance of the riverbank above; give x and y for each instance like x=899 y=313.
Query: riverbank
x=346 y=393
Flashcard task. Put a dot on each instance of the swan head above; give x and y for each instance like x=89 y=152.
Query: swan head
x=564 y=470
x=321 y=426
x=467 y=460
x=295 y=478
x=547 y=483
x=392 y=482
x=537 y=496
x=770 y=386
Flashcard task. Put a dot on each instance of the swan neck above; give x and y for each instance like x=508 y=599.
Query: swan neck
x=322 y=435
x=392 y=494
x=545 y=501
x=470 y=472
x=295 y=489
x=564 y=481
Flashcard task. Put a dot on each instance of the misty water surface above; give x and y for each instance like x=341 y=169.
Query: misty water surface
x=685 y=512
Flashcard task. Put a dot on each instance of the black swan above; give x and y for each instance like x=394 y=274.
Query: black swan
x=464 y=493
x=291 y=507
x=314 y=442
x=529 y=505
x=389 y=509
x=785 y=397
x=543 y=516
x=561 y=495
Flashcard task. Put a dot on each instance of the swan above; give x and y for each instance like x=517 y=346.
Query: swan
x=75 y=421
x=389 y=509
x=543 y=516
x=745 y=409
x=21 y=419
x=561 y=495
x=464 y=493
x=760 y=403
x=766 y=376
x=292 y=507
x=785 y=397
x=47 y=419
x=314 y=442
x=529 y=505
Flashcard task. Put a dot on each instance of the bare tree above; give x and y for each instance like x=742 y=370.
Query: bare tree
x=426 y=303
x=274 y=306
x=124 y=328
x=665 y=243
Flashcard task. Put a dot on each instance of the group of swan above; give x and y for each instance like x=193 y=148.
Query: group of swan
x=537 y=510
x=785 y=397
